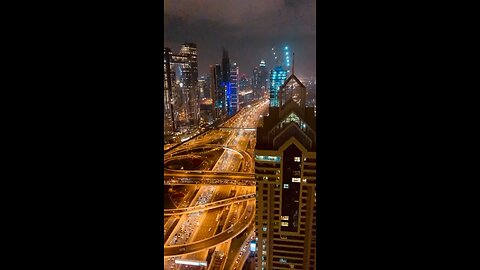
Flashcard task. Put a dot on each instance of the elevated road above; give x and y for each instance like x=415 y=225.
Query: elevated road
x=208 y=243
x=209 y=174
x=207 y=181
x=208 y=206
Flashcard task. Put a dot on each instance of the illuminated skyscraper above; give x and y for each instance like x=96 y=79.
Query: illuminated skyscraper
x=277 y=77
x=285 y=172
x=218 y=98
x=263 y=77
x=168 y=101
x=190 y=81
x=260 y=79
x=232 y=90
x=181 y=89
x=225 y=68
x=256 y=82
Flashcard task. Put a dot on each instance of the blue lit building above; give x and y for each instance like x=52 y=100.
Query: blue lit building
x=277 y=78
x=232 y=90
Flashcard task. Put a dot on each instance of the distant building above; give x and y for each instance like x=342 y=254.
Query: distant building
x=277 y=78
x=225 y=67
x=243 y=84
x=232 y=90
x=263 y=78
x=285 y=172
x=168 y=88
x=202 y=84
x=190 y=80
x=256 y=82
x=181 y=92
x=218 y=98
x=259 y=80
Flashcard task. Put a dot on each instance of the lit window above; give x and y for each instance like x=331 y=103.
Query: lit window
x=284 y=224
x=264 y=229
x=284 y=217
x=304 y=180
x=296 y=179
x=296 y=159
x=283 y=260
x=264 y=252
x=285 y=186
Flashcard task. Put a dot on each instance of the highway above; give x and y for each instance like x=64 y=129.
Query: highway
x=205 y=244
x=220 y=163
x=209 y=206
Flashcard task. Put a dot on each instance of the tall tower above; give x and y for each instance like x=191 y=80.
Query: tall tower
x=225 y=67
x=218 y=91
x=256 y=82
x=263 y=77
x=190 y=81
x=168 y=116
x=277 y=77
x=285 y=173
x=232 y=91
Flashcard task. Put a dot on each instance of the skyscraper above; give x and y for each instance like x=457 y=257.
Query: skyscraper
x=232 y=90
x=181 y=88
x=168 y=101
x=285 y=172
x=256 y=82
x=190 y=81
x=277 y=77
x=263 y=78
x=218 y=91
x=225 y=67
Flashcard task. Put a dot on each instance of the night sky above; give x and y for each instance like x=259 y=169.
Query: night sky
x=248 y=29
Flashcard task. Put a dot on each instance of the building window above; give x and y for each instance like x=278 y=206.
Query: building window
x=264 y=252
x=285 y=186
x=284 y=224
x=304 y=180
x=264 y=229
x=284 y=217
x=296 y=159
x=283 y=260
x=296 y=179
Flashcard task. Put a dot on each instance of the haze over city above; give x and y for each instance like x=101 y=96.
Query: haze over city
x=247 y=29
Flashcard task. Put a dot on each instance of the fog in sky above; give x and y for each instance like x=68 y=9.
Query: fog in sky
x=248 y=29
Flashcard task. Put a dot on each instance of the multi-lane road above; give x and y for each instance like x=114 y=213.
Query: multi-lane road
x=223 y=205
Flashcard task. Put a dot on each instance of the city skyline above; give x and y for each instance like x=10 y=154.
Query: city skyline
x=250 y=29
x=239 y=156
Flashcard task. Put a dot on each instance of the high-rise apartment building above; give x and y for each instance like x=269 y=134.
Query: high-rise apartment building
x=285 y=172
x=232 y=90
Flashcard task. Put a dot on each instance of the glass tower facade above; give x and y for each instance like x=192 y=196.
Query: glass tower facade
x=277 y=78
